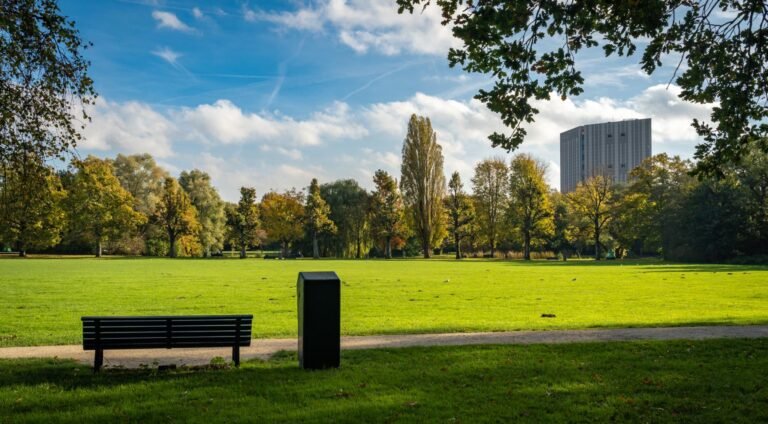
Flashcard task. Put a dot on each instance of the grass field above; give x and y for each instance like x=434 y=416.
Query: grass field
x=43 y=299
x=705 y=381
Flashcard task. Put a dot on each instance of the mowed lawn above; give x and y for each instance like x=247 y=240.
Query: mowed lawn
x=42 y=300
x=717 y=381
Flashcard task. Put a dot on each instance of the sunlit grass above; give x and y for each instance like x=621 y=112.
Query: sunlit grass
x=42 y=300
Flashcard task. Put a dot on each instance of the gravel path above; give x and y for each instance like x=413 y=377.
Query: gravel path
x=265 y=348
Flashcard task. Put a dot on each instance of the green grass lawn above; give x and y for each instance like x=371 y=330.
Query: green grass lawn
x=706 y=381
x=42 y=300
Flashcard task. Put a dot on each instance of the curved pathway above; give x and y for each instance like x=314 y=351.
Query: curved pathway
x=264 y=348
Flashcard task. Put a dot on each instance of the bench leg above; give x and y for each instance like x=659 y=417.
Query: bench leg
x=98 y=360
x=236 y=355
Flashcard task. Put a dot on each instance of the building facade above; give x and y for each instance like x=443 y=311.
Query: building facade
x=610 y=148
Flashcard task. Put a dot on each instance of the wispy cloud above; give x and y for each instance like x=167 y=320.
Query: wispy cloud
x=197 y=13
x=170 y=21
x=168 y=55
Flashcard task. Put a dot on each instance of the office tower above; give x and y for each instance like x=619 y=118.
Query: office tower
x=610 y=148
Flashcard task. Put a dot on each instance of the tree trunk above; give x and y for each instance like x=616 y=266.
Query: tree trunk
x=315 y=249
x=20 y=246
x=597 y=241
x=388 y=248
x=243 y=252
x=427 y=250
x=172 y=248
x=98 y=248
x=284 y=250
x=493 y=247
x=358 y=248
x=527 y=247
x=457 y=242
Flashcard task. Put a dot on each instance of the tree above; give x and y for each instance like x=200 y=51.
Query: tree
x=490 y=186
x=243 y=221
x=316 y=213
x=461 y=211
x=529 y=205
x=562 y=237
x=31 y=196
x=210 y=209
x=143 y=178
x=718 y=44
x=100 y=209
x=658 y=186
x=176 y=214
x=386 y=210
x=592 y=202
x=422 y=181
x=43 y=78
x=282 y=215
x=753 y=177
x=348 y=203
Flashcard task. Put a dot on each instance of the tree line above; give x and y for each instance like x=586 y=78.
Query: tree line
x=130 y=205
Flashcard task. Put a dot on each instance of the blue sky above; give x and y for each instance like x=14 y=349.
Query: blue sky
x=272 y=93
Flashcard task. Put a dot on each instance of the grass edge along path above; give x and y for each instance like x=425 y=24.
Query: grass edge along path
x=265 y=348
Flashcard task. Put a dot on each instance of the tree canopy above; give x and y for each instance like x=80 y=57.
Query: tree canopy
x=210 y=209
x=317 y=216
x=176 y=214
x=530 y=47
x=43 y=80
x=283 y=217
x=491 y=189
x=98 y=206
x=530 y=209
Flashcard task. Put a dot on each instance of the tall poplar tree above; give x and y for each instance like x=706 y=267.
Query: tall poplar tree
x=530 y=208
x=491 y=187
x=316 y=213
x=422 y=181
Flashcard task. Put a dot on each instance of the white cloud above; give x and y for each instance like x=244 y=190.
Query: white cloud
x=168 y=55
x=130 y=127
x=270 y=150
x=170 y=21
x=197 y=13
x=224 y=122
x=365 y=25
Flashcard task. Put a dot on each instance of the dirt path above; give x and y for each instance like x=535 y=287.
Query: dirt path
x=265 y=348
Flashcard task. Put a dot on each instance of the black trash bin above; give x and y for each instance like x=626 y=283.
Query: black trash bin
x=319 y=299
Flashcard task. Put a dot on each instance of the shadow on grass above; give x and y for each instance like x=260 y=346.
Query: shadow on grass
x=712 y=381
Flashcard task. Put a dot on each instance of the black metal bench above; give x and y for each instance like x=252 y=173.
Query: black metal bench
x=166 y=332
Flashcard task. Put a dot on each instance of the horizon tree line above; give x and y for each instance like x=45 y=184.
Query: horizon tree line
x=131 y=205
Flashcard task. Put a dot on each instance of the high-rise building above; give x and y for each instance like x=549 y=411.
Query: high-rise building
x=610 y=148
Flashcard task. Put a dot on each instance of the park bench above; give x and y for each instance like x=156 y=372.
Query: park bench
x=166 y=332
